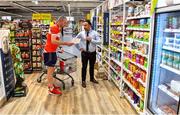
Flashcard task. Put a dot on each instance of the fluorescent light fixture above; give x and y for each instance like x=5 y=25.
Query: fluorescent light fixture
x=12 y=14
x=19 y=5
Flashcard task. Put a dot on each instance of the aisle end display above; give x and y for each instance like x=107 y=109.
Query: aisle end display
x=7 y=78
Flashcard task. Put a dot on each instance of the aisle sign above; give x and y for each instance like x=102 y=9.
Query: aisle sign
x=106 y=29
x=36 y=16
x=45 y=16
x=41 y=16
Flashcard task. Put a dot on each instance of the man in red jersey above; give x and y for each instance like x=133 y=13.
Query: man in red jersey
x=50 y=57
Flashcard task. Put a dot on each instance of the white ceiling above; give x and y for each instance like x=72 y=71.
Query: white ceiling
x=25 y=8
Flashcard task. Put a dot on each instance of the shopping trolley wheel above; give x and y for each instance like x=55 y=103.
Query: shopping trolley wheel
x=63 y=87
x=39 y=80
x=72 y=82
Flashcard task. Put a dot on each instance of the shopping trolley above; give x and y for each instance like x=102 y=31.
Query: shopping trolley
x=66 y=64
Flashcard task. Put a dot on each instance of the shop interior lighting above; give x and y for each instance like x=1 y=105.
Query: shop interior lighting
x=19 y=5
x=12 y=14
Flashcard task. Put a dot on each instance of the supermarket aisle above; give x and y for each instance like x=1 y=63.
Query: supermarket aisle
x=95 y=99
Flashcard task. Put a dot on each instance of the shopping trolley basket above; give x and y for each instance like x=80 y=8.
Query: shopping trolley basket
x=66 y=64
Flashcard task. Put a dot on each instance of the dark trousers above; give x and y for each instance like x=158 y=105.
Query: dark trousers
x=85 y=57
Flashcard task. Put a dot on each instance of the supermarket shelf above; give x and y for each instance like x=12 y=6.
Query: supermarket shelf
x=21 y=48
x=100 y=30
x=117 y=32
x=128 y=71
x=164 y=89
x=138 y=17
x=99 y=46
x=117 y=62
x=132 y=88
x=22 y=38
x=139 y=79
x=170 y=69
x=114 y=70
x=171 y=49
x=98 y=53
x=138 y=65
x=172 y=30
x=138 y=29
x=137 y=52
x=104 y=48
x=105 y=61
x=135 y=106
x=141 y=82
x=135 y=40
x=115 y=82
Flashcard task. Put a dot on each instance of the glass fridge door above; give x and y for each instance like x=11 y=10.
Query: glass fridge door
x=164 y=85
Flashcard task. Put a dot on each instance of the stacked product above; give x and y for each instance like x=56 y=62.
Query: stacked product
x=36 y=45
x=23 y=41
x=116 y=43
x=136 y=54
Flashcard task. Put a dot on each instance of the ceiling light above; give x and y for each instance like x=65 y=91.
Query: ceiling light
x=36 y=2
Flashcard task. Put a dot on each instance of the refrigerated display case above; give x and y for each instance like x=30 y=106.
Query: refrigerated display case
x=164 y=85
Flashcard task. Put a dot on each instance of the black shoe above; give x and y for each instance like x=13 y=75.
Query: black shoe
x=94 y=81
x=84 y=84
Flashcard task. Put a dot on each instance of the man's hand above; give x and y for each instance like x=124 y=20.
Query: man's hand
x=88 y=39
x=81 y=49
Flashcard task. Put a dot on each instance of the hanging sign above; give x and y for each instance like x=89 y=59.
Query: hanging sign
x=41 y=16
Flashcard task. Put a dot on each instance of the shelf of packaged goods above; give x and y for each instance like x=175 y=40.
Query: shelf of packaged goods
x=116 y=24
x=139 y=41
x=138 y=17
x=24 y=49
x=100 y=29
x=36 y=44
x=99 y=46
x=117 y=32
x=36 y=55
x=22 y=38
x=138 y=79
x=37 y=61
x=137 y=52
x=99 y=53
x=137 y=29
x=116 y=40
x=127 y=70
x=105 y=61
x=114 y=70
x=172 y=30
x=26 y=59
x=171 y=49
x=117 y=48
x=116 y=61
x=170 y=69
x=104 y=48
x=115 y=82
x=134 y=89
x=135 y=106
x=137 y=64
x=165 y=90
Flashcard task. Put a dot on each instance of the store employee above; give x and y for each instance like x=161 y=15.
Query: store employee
x=89 y=40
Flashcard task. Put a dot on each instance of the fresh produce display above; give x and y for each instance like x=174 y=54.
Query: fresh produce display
x=17 y=60
x=23 y=41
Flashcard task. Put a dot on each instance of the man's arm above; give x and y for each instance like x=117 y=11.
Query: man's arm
x=97 y=39
x=79 y=36
x=59 y=42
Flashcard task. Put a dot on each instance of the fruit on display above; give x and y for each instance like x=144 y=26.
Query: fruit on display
x=17 y=61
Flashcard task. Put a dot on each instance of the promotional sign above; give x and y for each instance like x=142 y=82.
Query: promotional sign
x=106 y=29
x=41 y=16
x=94 y=23
x=7 y=80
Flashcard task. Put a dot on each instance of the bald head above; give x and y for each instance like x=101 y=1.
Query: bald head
x=62 y=21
